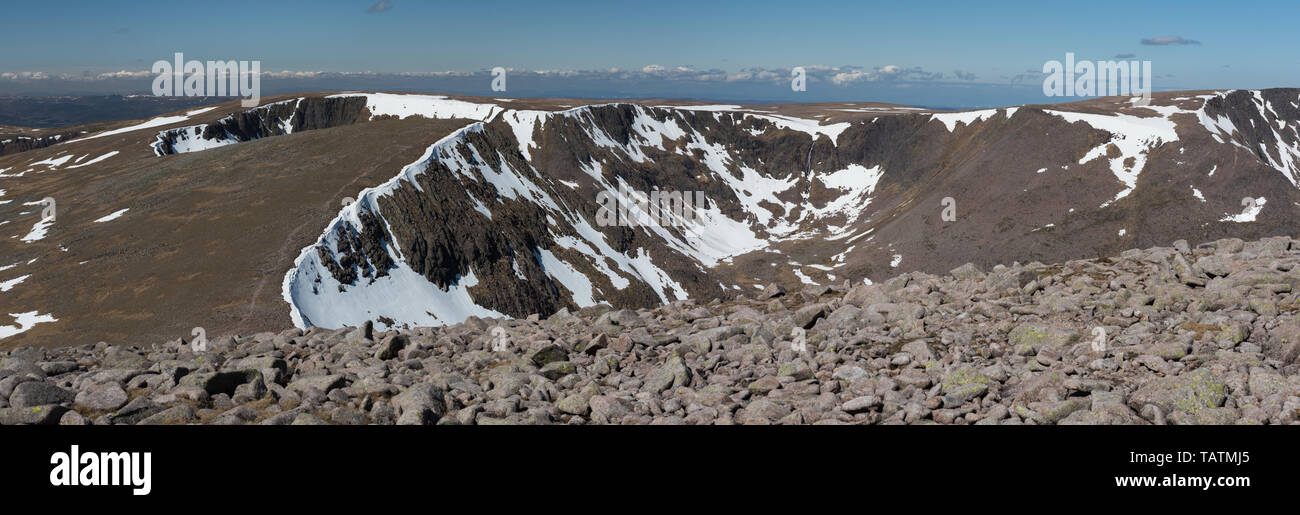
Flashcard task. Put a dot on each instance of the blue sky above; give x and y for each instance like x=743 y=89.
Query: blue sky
x=1241 y=45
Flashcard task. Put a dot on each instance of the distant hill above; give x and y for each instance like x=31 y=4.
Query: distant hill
x=43 y=112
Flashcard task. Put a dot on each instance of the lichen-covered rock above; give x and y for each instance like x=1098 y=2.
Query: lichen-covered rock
x=1028 y=339
x=1191 y=393
x=965 y=384
x=673 y=373
x=34 y=415
x=38 y=393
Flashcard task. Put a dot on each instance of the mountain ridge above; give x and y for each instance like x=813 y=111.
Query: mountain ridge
x=916 y=163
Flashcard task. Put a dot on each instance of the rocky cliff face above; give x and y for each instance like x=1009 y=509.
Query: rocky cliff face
x=13 y=144
x=517 y=216
x=1262 y=122
x=276 y=119
x=502 y=217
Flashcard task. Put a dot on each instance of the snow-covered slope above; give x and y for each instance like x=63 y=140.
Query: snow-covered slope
x=745 y=213
x=760 y=202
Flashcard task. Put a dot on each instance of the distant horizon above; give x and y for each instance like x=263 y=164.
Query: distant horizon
x=976 y=96
x=951 y=54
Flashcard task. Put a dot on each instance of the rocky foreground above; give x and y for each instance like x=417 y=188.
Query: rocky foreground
x=1205 y=335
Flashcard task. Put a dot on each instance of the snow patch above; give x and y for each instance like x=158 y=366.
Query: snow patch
x=38 y=230
x=568 y=276
x=1133 y=136
x=803 y=278
x=428 y=106
x=950 y=120
x=112 y=216
x=95 y=160
x=156 y=122
x=53 y=162
x=9 y=285
x=25 y=322
x=1248 y=214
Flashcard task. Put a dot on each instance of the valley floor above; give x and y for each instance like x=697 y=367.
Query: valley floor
x=1168 y=335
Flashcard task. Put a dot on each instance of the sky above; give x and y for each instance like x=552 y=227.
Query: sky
x=921 y=53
